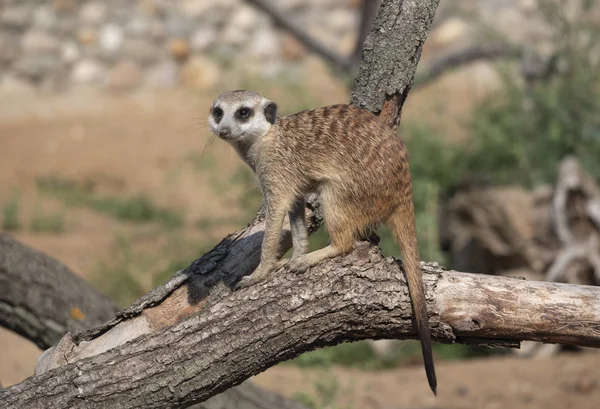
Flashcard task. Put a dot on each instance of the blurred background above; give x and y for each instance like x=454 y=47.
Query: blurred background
x=106 y=163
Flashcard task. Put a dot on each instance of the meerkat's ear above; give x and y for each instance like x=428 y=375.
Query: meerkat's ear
x=271 y=112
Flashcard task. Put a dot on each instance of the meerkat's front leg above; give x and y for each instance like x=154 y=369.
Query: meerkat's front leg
x=276 y=210
x=298 y=227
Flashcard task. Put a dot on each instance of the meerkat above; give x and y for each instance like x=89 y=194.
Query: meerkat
x=357 y=165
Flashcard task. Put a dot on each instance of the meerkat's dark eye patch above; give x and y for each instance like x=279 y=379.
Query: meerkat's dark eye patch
x=217 y=114
x=271 y=112
x=244 y=113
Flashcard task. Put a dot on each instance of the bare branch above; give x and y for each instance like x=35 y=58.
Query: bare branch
x=364 y=296
x=463 y=56
x=302 y=36
x=41 y=299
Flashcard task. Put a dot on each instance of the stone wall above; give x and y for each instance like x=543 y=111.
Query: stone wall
x=126 y=44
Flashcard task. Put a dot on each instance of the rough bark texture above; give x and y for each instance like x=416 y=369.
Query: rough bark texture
x=360 y=296
x=41 y=299
x=390 y=56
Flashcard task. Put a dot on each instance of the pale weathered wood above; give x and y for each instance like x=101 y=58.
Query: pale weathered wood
x=360 y=296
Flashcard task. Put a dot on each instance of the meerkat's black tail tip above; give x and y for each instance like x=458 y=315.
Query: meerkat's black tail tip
x=429 y=368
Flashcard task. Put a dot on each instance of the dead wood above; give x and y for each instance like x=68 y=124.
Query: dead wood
x=551 y=233
x=360 y=296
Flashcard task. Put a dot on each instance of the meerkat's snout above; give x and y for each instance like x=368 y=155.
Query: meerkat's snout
x=224 y=132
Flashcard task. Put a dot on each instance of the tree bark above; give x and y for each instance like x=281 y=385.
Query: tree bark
x=359 y=296
x=41 y=299
x=386 y=74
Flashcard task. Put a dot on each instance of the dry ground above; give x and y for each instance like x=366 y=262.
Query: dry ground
x=152 y=144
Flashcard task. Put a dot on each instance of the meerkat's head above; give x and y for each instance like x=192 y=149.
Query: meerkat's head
x=241 y=115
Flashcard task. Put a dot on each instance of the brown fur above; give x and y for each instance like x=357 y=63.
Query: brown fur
x=360 y=168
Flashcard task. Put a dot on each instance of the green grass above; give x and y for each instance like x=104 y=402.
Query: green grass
x=10 y=213
x=136 y=209
x=326 y=392
x=47 y=222
x=360 y=355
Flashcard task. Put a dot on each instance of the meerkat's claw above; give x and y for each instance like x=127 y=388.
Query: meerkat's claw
x=246 y=281
x=298 y=265
x=258 y=275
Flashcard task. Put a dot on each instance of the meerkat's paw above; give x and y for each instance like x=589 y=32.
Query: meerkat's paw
x=258 y=275
x=298 y=264
x=246 y=281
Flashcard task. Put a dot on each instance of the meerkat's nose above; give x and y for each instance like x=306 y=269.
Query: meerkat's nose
x=224 y=132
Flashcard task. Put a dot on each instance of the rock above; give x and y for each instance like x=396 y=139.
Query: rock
x=158 y=31
x=66 y=25
x=200 y=72
x=203 y=38
x=37 y=41
x=65 y=6
x=342 y=20
x=35 y=67
x=44 y=18
x=69 y=52
x=291 y=49
x=141 y=51
x=9 y=48
x=88 y=72
x=264 y=44
x=87 y=36
x=15 y=17
x=178 y=27
x=93 y=13
x=111 y=39
x=196 y=8
x=11 y=85
x=139 y=26
x=241 y=24
x=163 y=75
x=148 y=7
x=179 y=48
x=55 y=81
x=123 y=76
x=450 y=31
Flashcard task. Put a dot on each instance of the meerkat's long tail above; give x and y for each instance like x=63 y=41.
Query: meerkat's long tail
x=405 y=232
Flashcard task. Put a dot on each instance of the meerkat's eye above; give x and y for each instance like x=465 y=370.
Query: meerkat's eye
x=243 y=113
x=217 y=113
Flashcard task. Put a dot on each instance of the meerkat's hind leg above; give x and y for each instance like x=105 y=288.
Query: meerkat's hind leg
x=340 y=230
